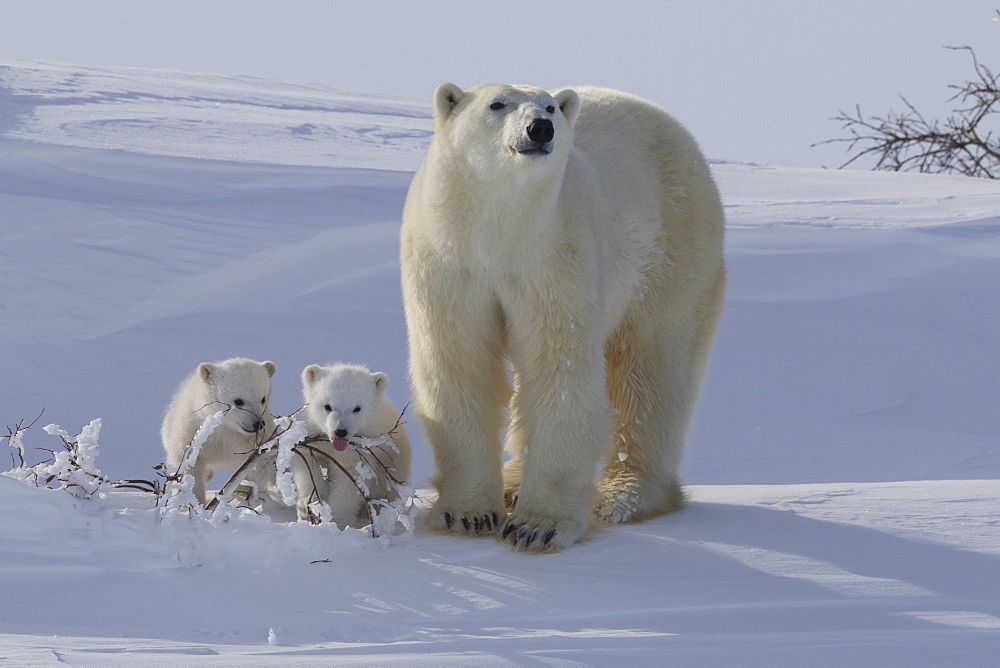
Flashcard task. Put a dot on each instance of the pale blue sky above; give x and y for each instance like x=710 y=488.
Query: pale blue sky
x=753 y=80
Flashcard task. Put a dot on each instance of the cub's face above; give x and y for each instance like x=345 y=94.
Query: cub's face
x=341 y=399
x=502 y=127
x=244 y=387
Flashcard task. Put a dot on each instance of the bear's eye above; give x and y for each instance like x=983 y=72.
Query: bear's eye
x=550 y=109
x=238 y=402
x=357 y=409
x=327 y=407
x=497 y=106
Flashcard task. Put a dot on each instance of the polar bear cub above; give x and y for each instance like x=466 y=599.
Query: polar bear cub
x=343 y=401
x=574 y=238
x=239 y=386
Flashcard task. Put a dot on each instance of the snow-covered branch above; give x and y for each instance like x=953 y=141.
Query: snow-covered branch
x=73 y=468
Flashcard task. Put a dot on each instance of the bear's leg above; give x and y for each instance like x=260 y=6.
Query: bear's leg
x=655 y=367
x=460 y=391
x=310 y=485
x=514 y=447
x=559 y=429
x=347 y=505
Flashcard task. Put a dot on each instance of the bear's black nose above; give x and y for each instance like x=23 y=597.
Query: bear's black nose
x=258 y=425
x=541 y=130
x=340 y=433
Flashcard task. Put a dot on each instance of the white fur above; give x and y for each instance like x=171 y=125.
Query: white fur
x=343 y=401
x=595 y=270
x=242 y=388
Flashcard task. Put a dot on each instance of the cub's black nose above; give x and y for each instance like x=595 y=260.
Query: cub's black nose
x=340 y=433
x=541 y=130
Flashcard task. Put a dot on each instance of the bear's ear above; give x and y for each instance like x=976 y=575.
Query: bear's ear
x=269 y=367
x=309 y=374
x=381 y=380
x=569 y=104
x=205 y=370
x=446 y=96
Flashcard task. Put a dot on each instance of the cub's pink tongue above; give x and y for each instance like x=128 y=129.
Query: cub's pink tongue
x=339 y=444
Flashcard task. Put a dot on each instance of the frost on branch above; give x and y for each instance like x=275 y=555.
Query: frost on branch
x=180 y=485
x=294 y=432
x=73 y=468
x=268 y=468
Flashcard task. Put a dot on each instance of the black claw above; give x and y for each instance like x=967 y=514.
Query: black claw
x=475 y=524
x=465 y=522
x=531 y=538
x=448 y=520
x=496 y=519
x=521 y=533
x=486 y=523
x=508 y=529
x=549 y=536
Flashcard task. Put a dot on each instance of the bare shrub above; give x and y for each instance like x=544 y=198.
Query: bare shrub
x=963 y=143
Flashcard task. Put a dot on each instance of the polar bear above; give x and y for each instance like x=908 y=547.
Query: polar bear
x=564 y=252
x=343 y=401
x=241 y=387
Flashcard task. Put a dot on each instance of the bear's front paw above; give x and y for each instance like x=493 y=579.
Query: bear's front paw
x=468 y=522
x=540 y=534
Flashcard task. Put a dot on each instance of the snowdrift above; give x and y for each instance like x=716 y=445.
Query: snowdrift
x=844 y=466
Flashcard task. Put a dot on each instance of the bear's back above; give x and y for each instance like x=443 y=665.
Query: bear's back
x=613 y=125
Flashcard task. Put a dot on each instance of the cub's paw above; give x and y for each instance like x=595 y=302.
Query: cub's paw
x=478 y=522
x=526 y=533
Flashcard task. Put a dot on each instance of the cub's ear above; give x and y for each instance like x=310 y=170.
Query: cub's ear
x=381 y=380
x=205 y=370
x=446 y=97
x=269 y=367
x=309 y=374
x=569 y=104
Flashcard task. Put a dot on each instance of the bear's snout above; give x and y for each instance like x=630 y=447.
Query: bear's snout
x=340 y=433
x=252 y=427
x=541 y=130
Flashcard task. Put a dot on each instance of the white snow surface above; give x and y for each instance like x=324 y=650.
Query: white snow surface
x=844 y=467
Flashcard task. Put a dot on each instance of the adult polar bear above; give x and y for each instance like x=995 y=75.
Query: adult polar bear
x=577 y=235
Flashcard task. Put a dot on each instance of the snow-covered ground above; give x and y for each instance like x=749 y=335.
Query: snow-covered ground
x=844 y=467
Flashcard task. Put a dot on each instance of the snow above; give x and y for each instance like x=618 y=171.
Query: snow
x=844 y=466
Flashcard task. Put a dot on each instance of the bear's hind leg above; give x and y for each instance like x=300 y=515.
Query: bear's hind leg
x=513 y=470
x=654 y=373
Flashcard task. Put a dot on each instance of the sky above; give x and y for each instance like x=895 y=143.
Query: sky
x=753 y=80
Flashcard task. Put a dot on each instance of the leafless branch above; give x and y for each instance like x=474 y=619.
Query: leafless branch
x=14 y=441
x=908 y=141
